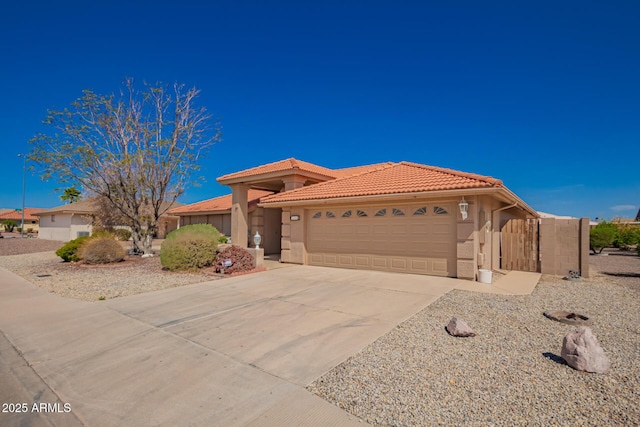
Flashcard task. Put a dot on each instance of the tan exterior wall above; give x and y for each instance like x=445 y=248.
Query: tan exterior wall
x=222 y=222
x=477 y=237
x=293 y=248
x=467 y=241
x=564 y=246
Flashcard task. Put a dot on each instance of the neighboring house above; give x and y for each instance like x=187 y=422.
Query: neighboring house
x=73 y=220
x=402 y=217
x=30 y=220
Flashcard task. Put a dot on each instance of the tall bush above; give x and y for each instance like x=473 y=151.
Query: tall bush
x=190 y=247
x=602 y=236
x=627 y=236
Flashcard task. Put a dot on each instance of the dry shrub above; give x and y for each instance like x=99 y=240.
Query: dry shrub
x=241 y=260
x=101 y=250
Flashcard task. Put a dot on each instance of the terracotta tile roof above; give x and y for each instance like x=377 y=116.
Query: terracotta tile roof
x=281 y=166
x=17 y=215
x=341 y=173
x=222 y=203
x=389 y=178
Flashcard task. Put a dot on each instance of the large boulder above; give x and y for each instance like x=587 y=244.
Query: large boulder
x=459 y=328
x=581 y=351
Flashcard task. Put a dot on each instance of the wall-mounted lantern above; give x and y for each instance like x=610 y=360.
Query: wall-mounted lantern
x=464 y=208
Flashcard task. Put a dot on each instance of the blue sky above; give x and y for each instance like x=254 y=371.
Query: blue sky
x=543 y=95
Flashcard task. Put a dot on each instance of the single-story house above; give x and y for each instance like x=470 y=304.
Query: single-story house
x=30 y=220
x=73 y=220
x=402 y=217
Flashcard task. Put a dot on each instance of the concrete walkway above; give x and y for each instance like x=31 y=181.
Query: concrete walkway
x=237 y=351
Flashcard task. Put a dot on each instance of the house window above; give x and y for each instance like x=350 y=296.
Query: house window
x=53 y=218
x=439 y=211
x=397 y=212
x=347 y=214
x=421 y=211
x=330 y=215
x=317 y=215
x=361 y=213
x=381 y=212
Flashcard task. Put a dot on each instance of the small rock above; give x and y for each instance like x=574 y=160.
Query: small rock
x=147 y=256
x=459 y=328
x=581 y=350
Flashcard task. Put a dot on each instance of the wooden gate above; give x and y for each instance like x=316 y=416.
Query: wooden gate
x=519 y=245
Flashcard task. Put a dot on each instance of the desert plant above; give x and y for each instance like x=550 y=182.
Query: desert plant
x=190 y=247
x=239 y=258
x=9 y=225
x=122 y=234
x=69 y=252
x=602 y=236
x=627 y=236
x=223 y=239
x=101 y=250
x=103 y=233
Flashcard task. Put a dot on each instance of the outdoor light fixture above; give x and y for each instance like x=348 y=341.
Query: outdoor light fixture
x=464 y=208
x=257 y=239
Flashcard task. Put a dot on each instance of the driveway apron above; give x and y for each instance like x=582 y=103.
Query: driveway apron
x=237 y=351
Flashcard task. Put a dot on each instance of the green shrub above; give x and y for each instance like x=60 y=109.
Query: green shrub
x=9 y=225
x=602 y=236
x=223 y=239
x=69 y=252
x=101 y=250
x=627 y=236
x=190 y=247
x=122 y=234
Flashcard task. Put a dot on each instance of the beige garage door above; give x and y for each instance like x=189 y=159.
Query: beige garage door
x=417 y=239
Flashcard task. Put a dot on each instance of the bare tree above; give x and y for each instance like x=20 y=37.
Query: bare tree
x=137 y=150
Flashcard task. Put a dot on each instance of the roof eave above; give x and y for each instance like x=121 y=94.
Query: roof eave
x=502 y=192
x=274 y=175
x=375 y=197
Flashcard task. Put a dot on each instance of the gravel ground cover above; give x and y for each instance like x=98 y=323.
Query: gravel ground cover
x=34 y=260
x=18 y=246
x=511 y=373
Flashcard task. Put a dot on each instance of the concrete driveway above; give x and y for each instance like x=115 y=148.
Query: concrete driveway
x=237 y=351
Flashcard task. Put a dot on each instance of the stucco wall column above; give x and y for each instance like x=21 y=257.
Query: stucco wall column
x=467 y=244
x=293 y=182
x=239 y=214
